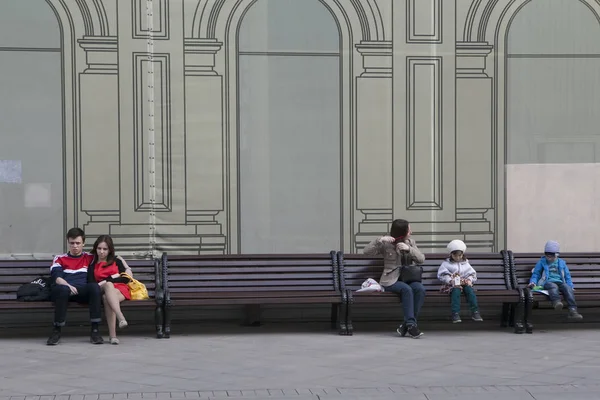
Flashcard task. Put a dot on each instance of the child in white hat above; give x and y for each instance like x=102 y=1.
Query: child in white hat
x=458 y=276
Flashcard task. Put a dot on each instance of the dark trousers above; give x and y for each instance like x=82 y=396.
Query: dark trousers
x=412 y=296
x=469 y=294
x=90 y=294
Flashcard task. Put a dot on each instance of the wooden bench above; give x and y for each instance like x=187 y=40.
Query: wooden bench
x=14 y=273
x=492 y=286
x=252 y=280
x=585 y=273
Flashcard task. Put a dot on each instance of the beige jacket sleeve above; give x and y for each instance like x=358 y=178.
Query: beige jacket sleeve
x=416 y=253
x=373 y=248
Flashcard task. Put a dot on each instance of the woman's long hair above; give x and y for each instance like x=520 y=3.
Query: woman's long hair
x=399 y=230
x=110 y=258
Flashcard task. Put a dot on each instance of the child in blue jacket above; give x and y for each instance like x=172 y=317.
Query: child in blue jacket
x=553 y=274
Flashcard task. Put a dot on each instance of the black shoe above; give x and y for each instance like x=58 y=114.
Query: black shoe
x=54 y=339
x=476 y=316
x=402 y=329
x=414 y=332
x=95 y=338
x=573 y=314
x=456 y=318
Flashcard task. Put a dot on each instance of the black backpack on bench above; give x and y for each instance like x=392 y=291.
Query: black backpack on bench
x=36 y=290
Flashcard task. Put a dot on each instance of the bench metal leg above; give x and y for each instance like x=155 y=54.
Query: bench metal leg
x=518 y=315
x=528 y=311
x=343 y=315
x=349 y=303
x=342 y=325
x=159 y=321
x=167 y=319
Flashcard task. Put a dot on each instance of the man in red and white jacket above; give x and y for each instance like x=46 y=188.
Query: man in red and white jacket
x=69 y=278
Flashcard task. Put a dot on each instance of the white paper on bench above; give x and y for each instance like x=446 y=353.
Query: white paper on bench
x=370 y=286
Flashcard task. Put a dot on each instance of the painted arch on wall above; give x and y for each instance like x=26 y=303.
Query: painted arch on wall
x=489 y=21
x=357 y=21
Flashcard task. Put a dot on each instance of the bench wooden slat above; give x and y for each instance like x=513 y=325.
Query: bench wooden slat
x=492 y=286
x=249 y=291
x=252 y=280
x=585 y=273
x=274 y=293
x=15 y=273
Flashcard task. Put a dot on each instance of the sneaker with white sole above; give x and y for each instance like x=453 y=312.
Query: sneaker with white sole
x=414 y=332
x=402 y=329
x=54 y=339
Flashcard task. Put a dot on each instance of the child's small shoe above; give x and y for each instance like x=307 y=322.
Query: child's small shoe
x=476 y=316
x=573 y=314
x=456 y=318
x=114 y=340
x=558 y=305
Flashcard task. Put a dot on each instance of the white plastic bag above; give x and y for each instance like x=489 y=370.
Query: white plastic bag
x=369 y=286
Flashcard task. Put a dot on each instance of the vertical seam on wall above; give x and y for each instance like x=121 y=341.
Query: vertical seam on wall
x=151 y=132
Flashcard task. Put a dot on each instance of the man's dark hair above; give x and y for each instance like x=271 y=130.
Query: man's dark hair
x=75 y=233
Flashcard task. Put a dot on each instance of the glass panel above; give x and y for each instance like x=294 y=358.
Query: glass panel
x=289 y=129
x=289 y=154
x=289 y=25
x=552 y=104
x=28 y=23
x=31 y=211
x=554 y=27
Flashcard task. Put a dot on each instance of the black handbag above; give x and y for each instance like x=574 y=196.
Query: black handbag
x=409 y=272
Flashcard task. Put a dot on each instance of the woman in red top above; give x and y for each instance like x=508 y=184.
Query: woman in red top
x=106 y=269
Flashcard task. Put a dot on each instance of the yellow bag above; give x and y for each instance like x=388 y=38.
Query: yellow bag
x=137 y=289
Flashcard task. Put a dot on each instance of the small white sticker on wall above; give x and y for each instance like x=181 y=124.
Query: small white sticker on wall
x=10 y=171
x=38 y=195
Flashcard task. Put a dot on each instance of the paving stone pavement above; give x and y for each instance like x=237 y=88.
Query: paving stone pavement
x=257 y=363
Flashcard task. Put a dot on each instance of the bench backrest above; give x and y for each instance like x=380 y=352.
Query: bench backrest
x=14 y=273
x=492 y=273
x=584 y=268
x=248 y=273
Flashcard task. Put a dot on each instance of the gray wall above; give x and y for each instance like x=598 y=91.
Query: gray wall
x=200 y=127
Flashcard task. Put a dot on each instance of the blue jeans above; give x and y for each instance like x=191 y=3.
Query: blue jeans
x=566 y=290
x=412 y=296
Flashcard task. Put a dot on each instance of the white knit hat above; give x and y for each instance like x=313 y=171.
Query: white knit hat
x=457 y=245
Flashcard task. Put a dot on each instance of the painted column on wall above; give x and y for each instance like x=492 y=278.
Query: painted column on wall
x=424 y=89
x=374 y=141
x=99 y=135
x=151 y=105
x=204 y=146
x=475 y=195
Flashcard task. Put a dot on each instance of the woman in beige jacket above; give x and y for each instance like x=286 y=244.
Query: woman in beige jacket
x=393 y=248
